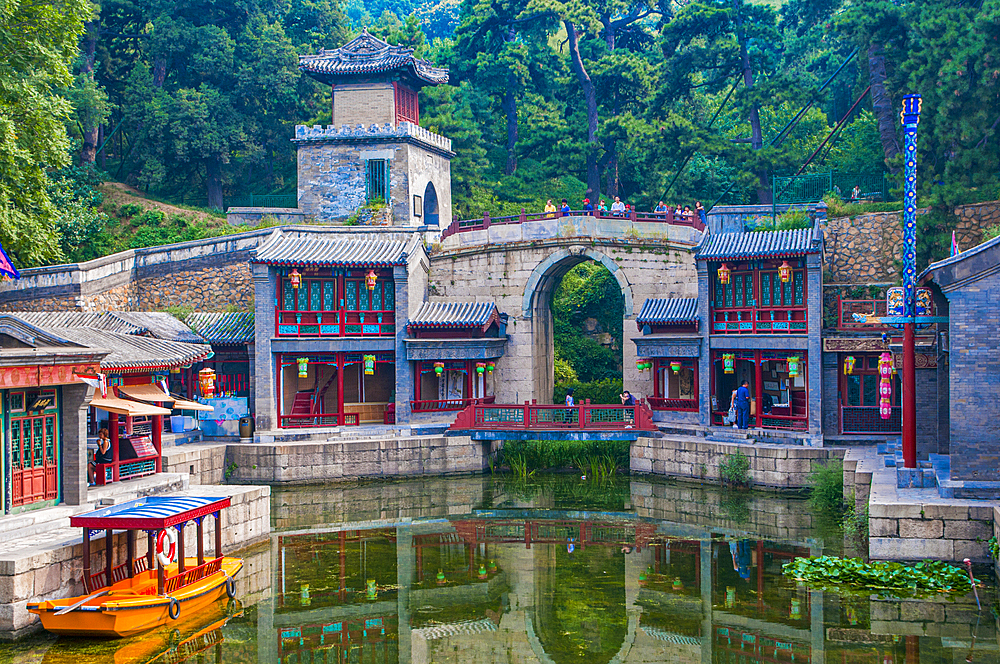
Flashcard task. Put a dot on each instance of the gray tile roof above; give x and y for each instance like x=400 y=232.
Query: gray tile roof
x=668 y=311
x=455 y=314
x=365 y=55
x=223 y=329
x=133 y=353
x=282 y=249
x=161 y=325
x=758 y=244
x=103 y=320
x=958 y=258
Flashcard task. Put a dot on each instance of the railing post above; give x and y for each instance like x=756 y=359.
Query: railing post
x=523 y=217
x=631 y=215
x=524 y=416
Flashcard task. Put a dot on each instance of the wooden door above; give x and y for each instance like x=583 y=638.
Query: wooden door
x=34 y=454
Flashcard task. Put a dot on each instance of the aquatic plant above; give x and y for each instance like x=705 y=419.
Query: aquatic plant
x=600 y=458
x=519 y=465
x=734 y=469
x=826 y=482
x=927 y=575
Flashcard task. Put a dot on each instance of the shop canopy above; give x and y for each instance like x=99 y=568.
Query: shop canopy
x=125 y=407
x=150 y=513
x=154 y=393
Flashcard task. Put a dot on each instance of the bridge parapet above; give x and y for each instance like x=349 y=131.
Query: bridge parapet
x=546 y=228
x=540 y=417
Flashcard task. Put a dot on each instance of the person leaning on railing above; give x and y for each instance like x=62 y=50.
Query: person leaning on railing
x=618 y=208
x=550 y=209
x=660 y=210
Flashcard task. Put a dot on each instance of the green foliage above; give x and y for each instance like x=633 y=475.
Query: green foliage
x=587 y=304
x=826 y=482
x=604 y=391
x=564 y=371
x=787 y=221
x=855 y=523
x=734 y=469
x=130 y=210
x=927 y=576
x=596 y=460
x=994 y=548
x=836 y=207
x=991 y=232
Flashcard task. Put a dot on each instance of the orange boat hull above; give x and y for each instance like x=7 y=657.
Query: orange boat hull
x=131 y=605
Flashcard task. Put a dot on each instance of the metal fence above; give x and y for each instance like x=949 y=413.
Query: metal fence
x=264 y=201
x=812 y=188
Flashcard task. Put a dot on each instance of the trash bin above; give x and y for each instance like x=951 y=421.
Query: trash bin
x=176 y=424
x=246 y=427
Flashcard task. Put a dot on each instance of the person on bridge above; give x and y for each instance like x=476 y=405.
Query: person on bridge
x=588 y=207
x=700 y=210
x=743 y=405
x=550 y=209
x=660 y=210
x=602 y=209
x=618 y=208
x=569 y=397
x=565 y=208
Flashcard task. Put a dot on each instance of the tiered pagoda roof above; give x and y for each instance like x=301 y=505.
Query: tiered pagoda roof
x=367 y=58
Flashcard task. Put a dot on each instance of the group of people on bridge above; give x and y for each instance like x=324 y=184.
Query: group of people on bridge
x=621 y=209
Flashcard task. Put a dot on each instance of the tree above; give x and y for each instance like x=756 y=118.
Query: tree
x=38 y=41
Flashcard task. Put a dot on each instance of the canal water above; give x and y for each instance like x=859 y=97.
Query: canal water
x=553 y=569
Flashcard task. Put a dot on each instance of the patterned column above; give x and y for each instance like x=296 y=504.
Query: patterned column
x=910 y=118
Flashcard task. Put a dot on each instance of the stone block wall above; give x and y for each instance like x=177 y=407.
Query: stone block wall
x=773 y=466
x=252 y=216
x=869 y=248
x=279 y=463
x=204 y=289
x=205 y=464
x=955 y=617
x=54 y=568
x=916 y=530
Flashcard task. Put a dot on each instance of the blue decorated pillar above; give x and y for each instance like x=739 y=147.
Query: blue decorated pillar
x=910 y=117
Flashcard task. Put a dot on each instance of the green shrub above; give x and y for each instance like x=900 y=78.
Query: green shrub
x=606 y=391
x=827 y=488
x=855 y=523
x=129 y=210
x=734 y=469
x=791 y=220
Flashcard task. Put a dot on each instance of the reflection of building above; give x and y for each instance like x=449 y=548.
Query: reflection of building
x=374 y=152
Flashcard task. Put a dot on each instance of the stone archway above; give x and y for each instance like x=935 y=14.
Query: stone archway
x=535 y=308
x=431 y=214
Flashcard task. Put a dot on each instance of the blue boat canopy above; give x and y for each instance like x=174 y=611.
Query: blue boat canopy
x=150 y=513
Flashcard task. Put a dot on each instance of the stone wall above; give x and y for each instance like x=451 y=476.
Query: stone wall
x=252 y=216
x=774 y=466
x=53 y=567
x=313 y=462
x=868 y=248
x=204 y=289
x=204 y=463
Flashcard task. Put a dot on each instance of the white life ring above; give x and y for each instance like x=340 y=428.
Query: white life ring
x=166 y=546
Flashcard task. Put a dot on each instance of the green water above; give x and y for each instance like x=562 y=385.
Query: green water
x=558 y=569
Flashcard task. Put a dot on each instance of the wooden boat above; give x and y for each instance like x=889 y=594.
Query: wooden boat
x=154 y=590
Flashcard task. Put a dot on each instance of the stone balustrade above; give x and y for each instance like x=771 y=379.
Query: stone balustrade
x=318 y=133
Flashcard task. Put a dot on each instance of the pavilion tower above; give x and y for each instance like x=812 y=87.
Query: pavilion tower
x=375 y=151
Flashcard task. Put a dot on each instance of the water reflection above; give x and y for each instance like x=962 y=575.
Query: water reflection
x=559 y=570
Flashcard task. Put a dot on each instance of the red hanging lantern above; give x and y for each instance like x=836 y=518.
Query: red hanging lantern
x=295 y=278
x=885 y=386
x=370 y=280
x=723 y=274
x=785 y=272
x=206 y=380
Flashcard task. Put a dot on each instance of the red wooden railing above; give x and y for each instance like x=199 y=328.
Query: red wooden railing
x=319 y=420
x=192 y=575
x=663 y=403
x=669 y=217
x=770 y=421
x=868 y=419
x=759 y=321
x=99 y=580
x=534 y=416
x=338 y=323
x=441 y=405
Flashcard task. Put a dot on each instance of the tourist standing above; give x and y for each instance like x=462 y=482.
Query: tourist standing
x=102 y=455
x=565 y=208
x=588 y=207
x=550 y=209
x=743 y=405
x=661 y=210
x=618 y=208
x=602 y=209
x=700 y=210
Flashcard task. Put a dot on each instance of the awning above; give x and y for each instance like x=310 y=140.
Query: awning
x=184 y=404
x=147 y=392
x=124 y=407
x=151 y=513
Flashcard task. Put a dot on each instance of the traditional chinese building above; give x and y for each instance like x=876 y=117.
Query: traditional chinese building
x=231 y=336
x=332 y=305
x=375 y=153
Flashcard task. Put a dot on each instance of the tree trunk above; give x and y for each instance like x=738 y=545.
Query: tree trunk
x=88 y=153
x=159 y=70
x=590 y=98
x=882 y=105
x=610 y=161
x=213 y=173
x=756 y=135
x=510 y=111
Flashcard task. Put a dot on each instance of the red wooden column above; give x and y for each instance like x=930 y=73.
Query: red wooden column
x=158 y=438
x=341 y=358
x=758 y=397
x=909 y=401
x=113 y=433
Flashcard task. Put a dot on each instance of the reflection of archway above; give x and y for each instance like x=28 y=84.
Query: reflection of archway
x=535 y=307
x=431 y=205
